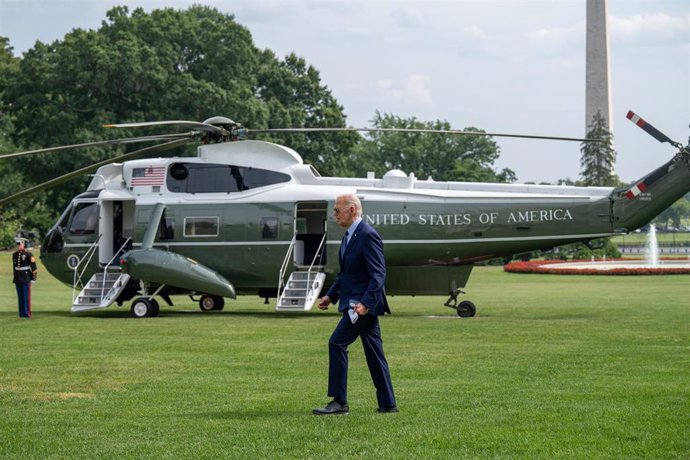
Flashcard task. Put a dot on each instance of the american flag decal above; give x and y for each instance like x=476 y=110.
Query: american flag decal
x=636 y=190
x=148 y=176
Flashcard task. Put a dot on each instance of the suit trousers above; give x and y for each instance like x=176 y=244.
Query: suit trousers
x=368 y=329
x=24 y=299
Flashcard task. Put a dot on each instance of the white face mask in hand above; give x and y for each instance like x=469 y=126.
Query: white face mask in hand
x=351 y=311
x=353 y=316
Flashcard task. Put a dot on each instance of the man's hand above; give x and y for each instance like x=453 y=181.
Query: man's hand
x=360 y=309
x=324 y=302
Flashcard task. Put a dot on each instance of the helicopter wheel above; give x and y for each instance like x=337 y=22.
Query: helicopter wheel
x=155 y=308
x=142 y=307
x=211 y=302
x=466 y=309
x=220 y=305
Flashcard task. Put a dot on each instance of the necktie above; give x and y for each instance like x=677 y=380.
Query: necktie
x=343 y=244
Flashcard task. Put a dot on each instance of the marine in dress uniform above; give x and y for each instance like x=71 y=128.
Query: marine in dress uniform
x=24 y=267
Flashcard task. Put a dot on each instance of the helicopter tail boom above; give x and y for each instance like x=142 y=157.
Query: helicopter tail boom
x=642 y=200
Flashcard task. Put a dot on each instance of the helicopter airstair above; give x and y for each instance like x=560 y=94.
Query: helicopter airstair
x=102 y=289
x=304 y=285
x=301 y=291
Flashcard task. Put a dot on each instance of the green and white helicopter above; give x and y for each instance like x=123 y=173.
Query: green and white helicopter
x=251 y=217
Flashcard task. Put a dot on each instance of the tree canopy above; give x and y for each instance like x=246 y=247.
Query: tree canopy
x=441 y=157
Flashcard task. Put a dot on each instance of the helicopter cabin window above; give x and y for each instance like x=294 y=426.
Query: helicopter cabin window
x=201 y=226
x=218 y=178
x=84 y=219
x=269 y=228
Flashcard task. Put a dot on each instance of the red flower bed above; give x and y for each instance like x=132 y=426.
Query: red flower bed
x=541 y=267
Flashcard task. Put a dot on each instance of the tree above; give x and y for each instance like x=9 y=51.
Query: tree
x=9 y=221
x=598 y=158
x=9 y=65
x=442 y=157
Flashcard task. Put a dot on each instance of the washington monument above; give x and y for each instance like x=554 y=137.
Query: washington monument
x=598 y=85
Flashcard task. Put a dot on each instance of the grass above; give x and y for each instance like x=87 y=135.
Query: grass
x=551 y=367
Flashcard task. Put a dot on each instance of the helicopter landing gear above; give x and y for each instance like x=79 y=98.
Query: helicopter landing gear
x=144 y=307
x=211 y=302
x=465 y=309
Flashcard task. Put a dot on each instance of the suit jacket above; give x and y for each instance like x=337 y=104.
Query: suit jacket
x=362 y=272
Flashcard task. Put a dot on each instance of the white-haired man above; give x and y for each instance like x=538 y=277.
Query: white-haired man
x=358 y=287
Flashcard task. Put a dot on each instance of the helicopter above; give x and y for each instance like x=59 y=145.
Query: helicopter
x=250 y=217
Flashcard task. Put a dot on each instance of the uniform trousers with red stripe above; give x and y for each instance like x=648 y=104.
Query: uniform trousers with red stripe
x=24 y=299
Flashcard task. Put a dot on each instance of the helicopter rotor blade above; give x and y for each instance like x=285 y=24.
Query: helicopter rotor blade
x=417 y=130
x=182 y=123
x=87 y=169
x=127 y=140
x=651 y=130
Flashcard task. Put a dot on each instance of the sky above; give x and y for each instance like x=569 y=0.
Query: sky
x=505 y=66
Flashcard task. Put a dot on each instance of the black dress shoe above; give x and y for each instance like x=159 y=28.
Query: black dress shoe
x=387 y=410
x=332 y=408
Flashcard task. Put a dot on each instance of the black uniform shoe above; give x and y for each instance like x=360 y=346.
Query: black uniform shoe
x=332 y=408
x=387 y=410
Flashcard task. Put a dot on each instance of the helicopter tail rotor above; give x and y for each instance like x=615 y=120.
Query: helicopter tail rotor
x=643 y=184
x=651 y=130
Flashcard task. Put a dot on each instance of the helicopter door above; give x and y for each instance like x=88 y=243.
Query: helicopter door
x=116 y=223
x=310 y=228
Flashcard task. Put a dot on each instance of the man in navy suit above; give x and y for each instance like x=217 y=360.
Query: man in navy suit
x=360 y=289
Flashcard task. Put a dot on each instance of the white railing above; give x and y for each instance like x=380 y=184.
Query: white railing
x=283 y=268
x=105 y=269
x=85 y=260
x=316 y=256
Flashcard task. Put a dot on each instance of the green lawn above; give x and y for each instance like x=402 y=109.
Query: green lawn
x=551 y=367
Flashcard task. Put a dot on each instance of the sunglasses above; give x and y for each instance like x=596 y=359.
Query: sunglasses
x=337 y=211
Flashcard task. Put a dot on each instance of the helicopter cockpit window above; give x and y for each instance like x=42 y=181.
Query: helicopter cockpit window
x=84 y=219
x=201 y=226
x=215 y=178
